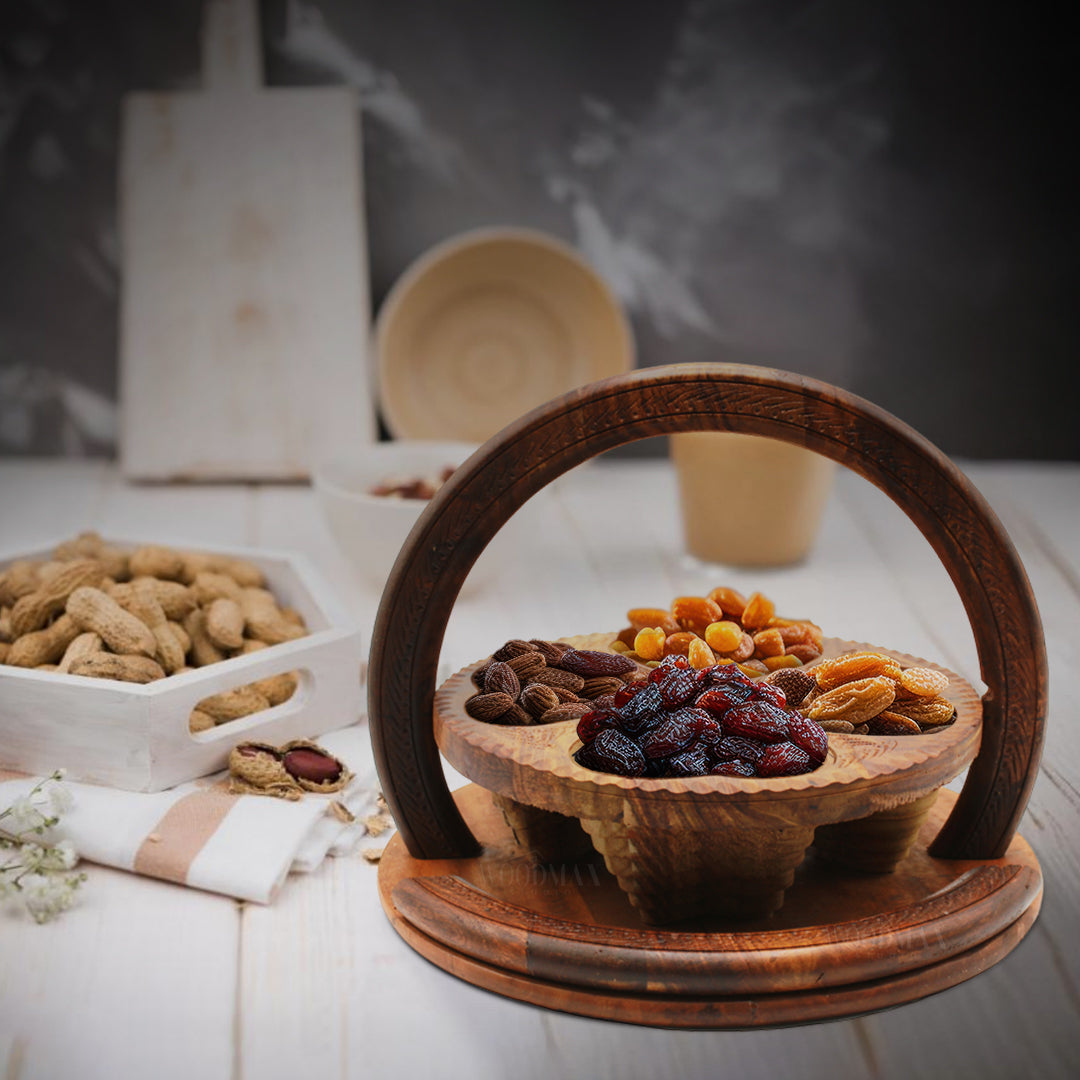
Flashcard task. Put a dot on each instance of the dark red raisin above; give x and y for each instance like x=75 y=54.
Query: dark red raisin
x=765 y=691
x=672 y=734
x=757 y=720
x=736 y=747
x=711 y=731
x=809 y=735
x=678 y=687
x=643 y=710
x=692 y=762
x=718 y=699
x=592 y=723
x=784 y=759
x=733 y=768
x=628 y=690
x=611 y=751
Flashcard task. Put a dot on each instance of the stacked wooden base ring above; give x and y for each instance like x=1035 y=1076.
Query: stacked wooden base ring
x=712 y=901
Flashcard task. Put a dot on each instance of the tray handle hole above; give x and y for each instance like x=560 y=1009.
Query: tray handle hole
x=247 y=706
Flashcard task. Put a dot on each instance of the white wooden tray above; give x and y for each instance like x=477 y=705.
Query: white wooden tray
x=136 y=737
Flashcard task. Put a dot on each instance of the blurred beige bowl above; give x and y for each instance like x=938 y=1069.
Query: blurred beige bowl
x=749 y=501
x=488 y=325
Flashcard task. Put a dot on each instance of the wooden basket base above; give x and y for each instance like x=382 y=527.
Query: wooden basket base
x=875 y=844
x=564 y=936
x=732 y=873
x=544 y=835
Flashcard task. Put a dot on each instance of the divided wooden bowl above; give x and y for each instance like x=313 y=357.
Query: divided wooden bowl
x=711 y=846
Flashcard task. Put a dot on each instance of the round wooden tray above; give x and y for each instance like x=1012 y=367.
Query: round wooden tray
x=565 y=937
x=960 y=901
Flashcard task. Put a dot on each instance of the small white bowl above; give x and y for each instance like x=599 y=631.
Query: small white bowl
x=371 y=529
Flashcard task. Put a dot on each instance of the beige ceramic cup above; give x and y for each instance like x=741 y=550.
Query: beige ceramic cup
x=748 y=500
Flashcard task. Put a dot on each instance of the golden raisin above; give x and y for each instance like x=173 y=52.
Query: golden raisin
x=891 y=723
x=855 y=702
x=805 y=653
x=853 y=666
x=924 y=682
x=679 y=643
x=768 y=643
x=644 y=618
x=649 y=643
x=695 y=613
x=758 y=611
x=626 y=636
x=723 y=636
x=927 y=712
x=730 y=602
x=700 y=655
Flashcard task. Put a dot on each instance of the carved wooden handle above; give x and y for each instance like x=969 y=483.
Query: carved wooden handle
x=534 y=450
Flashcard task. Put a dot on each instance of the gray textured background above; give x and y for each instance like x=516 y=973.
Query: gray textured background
x=872 y=194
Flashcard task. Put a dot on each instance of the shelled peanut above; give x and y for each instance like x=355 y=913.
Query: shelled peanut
x=870 y=693
x=723 y=627
x=96 y=610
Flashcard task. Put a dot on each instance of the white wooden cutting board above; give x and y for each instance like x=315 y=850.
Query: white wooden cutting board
x=245 y=311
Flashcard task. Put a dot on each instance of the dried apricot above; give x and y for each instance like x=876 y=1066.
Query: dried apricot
x=758 y=611
x=678 y=644
x=649 y=643
x=753 y=668
x=792 y=633
x=723 y=636
x=644 y=618
x=744 y=650
x=695 y=613
x=730 y=602
x=768 y=643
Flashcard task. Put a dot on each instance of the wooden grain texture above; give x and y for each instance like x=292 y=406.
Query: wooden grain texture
x=244 y=309
x=929 y=925
x=933 y=492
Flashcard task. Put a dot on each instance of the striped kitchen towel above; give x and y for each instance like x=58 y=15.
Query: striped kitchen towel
x=201 y=835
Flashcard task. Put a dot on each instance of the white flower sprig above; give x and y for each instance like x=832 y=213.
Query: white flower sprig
x=33 y=866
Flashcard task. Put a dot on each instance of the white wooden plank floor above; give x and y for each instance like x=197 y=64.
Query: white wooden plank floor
x=145 y=979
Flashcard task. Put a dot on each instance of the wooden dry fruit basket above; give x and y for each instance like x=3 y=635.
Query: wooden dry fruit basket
x=711 y=845
x=461 y=892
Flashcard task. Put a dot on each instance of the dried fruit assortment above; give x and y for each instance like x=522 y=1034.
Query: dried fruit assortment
x=722 y=628
x=712 y=721
x=540 y=682
x=101 y=611
x=869 y=693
